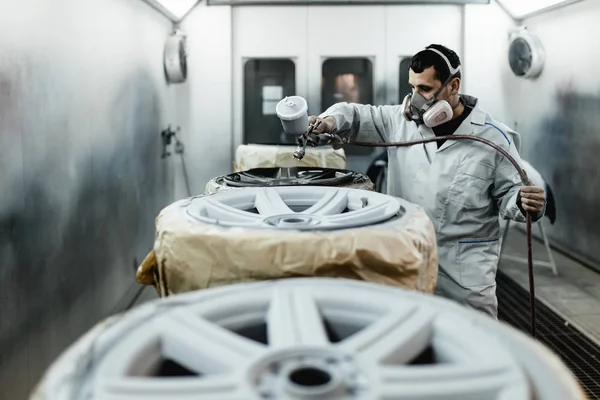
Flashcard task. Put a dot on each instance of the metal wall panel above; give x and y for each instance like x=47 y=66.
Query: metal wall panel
x=82 y=103
x=206 y=102
x=557 y=116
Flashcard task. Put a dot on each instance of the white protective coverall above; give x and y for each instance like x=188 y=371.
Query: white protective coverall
x=463 y=186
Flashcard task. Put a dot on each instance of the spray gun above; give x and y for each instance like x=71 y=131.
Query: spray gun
x=293 y=113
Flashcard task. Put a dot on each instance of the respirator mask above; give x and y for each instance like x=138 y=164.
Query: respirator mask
x=430 y=112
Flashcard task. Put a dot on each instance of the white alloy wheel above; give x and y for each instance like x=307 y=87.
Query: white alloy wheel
x=260 y=233
x=296 y=176
x=308 y=338
x=295 y=208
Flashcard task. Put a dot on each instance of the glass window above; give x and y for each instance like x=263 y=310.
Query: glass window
x=271 y=95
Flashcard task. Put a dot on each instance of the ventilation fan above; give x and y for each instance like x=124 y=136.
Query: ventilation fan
x=525 y=54
x=175 y=58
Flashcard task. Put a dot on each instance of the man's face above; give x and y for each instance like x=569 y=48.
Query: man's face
x=426 y=84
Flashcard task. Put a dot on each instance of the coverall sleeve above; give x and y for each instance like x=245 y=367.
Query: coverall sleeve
x=507 y=185
x=360 y=122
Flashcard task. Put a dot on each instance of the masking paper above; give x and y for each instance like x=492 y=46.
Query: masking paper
x=189 y=255
x=249 y=156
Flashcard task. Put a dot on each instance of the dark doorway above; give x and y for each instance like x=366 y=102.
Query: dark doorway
x=404 y=88
x=348 y=80
x=266 y=82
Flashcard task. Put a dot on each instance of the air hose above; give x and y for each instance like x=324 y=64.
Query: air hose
x=524 y=180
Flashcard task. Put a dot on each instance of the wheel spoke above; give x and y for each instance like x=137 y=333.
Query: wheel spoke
x=334 y=202
x=452 y=382
x=396 y=338
x=327 y=206
x=314 y=175
x=204 y=347
x=361 y=216
x=268 y=202
x=294 y=319
x=253 y=179
x=225 y=214
x=201 y=388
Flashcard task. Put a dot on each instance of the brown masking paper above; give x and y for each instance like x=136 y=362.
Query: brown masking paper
x=267 y=156
x=189 y=255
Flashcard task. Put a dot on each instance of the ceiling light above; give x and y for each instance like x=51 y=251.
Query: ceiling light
x=174 y=9
x=522 y=8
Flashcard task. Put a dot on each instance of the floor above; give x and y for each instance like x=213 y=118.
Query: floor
x=574 y=294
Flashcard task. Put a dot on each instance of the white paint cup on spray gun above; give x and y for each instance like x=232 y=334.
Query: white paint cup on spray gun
x=293 y=113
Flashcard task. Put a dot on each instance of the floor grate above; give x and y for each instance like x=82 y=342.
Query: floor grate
x=576 y=350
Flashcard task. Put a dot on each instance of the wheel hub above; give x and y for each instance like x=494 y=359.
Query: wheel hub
x=311 y=374
x=293 y=221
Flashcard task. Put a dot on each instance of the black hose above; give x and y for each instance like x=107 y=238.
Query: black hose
x=524 y=179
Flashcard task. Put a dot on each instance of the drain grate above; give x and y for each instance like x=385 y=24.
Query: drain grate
x=579 y=353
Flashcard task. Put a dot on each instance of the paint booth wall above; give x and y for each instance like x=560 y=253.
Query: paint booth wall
x=487 y=75
x=206 y=98
x=556 y=114
x=82 y=102
x=559 y=119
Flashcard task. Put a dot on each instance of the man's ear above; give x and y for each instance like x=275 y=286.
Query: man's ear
x=454 y=86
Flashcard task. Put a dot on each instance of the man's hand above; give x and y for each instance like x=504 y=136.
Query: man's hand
x=532 y=198
x=327 y=124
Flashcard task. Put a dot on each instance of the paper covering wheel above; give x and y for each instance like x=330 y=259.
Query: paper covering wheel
x=307 y=339
x=259 y=233
x=249 y=156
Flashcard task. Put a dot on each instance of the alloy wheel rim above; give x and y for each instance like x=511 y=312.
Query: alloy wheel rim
x=296 y=208
x=289 y=177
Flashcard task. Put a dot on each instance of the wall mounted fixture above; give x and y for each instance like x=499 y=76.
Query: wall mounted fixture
x=526 y=55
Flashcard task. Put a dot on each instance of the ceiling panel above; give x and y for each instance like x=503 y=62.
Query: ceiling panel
x=335 y=2
x=520 y=9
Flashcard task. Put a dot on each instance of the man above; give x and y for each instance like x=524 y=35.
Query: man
x=463 y=185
